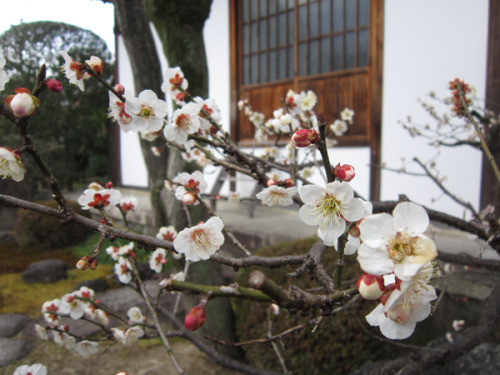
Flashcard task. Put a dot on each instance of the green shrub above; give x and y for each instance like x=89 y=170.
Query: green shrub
x=45 y=232
x=339 y=345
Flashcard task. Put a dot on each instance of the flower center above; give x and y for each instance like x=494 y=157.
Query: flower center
x=400 y=246
x=147 y=112
x=277 y=196
x=183 y=121
x=328 y=210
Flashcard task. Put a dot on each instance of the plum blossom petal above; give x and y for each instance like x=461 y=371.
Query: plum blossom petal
x=396 y=239
x=3 y=75
x=157 y=260
x=184 y=121
x=329 y=208
x=36 y=369
x=147 y=111
x=86 y=348
x=201 y=241
x=11 y=165
x=275 y=195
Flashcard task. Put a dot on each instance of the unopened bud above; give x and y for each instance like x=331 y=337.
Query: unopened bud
x=195 y=318
x=54 y=85
x=371 y=287
x=189 y=199
x=84 y=262
x=271 y=182
x=23 y=103
x=275 y=309
x=119 y=89
x=305 y=137
x=344 y=172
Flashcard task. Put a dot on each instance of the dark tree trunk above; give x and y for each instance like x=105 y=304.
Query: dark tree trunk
x=133 y=24
x=180 y=27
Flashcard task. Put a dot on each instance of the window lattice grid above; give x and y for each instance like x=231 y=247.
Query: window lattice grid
x=321 y=36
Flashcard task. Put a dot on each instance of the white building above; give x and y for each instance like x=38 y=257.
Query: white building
x=421 y=46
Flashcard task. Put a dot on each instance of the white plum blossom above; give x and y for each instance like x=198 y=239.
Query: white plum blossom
x=51 y=311
x=309 y=101
x=167 y=233
x=174 y=81
x=41 y=332
x=122 y=270
x=339 y=127
x=147 y=111
x=74 y=71
x=3 y=75
x=11 y=165
x=117 y=111
x=329 y=208
x=211 y=109
x=86 y=348
x=62 y=338
x=36 y=369
x=129 y=336
x=113 y=252
x=157 y=260
x=405 y=307
x=135 y=315
x=190 y=185
x=99 y=199
x=275 y=195
x=347 y=115
x=201 y=241
x=128 y=204
x=396 y=243
x=184 y=121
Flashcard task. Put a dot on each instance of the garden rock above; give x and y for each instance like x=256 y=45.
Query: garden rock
x=12 y=324
x=11 y=350
x=97 y=285
x=45 y=271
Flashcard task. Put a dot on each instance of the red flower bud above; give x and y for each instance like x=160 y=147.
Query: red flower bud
x=54 y=85
x=305 y=137
x=271 y=182
x=195 y=318
x=344 y=172
x=119 y=89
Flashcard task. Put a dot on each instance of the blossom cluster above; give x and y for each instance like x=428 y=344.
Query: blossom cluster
x=397 y=257
x=82 y=304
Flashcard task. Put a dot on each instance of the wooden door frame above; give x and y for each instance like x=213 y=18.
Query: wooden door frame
x=375 y=85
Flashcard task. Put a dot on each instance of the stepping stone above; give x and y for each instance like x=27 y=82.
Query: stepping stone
x=45 y=271
x=11 y=350
x=12 y=324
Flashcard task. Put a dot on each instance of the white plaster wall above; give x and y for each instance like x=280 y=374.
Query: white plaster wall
x=427 y=43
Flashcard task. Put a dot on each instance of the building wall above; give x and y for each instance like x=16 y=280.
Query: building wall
x=426 y=43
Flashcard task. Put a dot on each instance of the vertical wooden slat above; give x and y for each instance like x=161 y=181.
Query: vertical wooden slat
x=235 y=81
x=375 y=97
x=490 y=193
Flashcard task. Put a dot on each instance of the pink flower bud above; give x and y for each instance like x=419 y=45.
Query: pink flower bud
x=23 y=103
x=271 y=182
x=344 y=172
x=119 y=89
x=54 y=85
x=195 y=318
x=371 y=287
x=305 y=137
x=109 y=185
